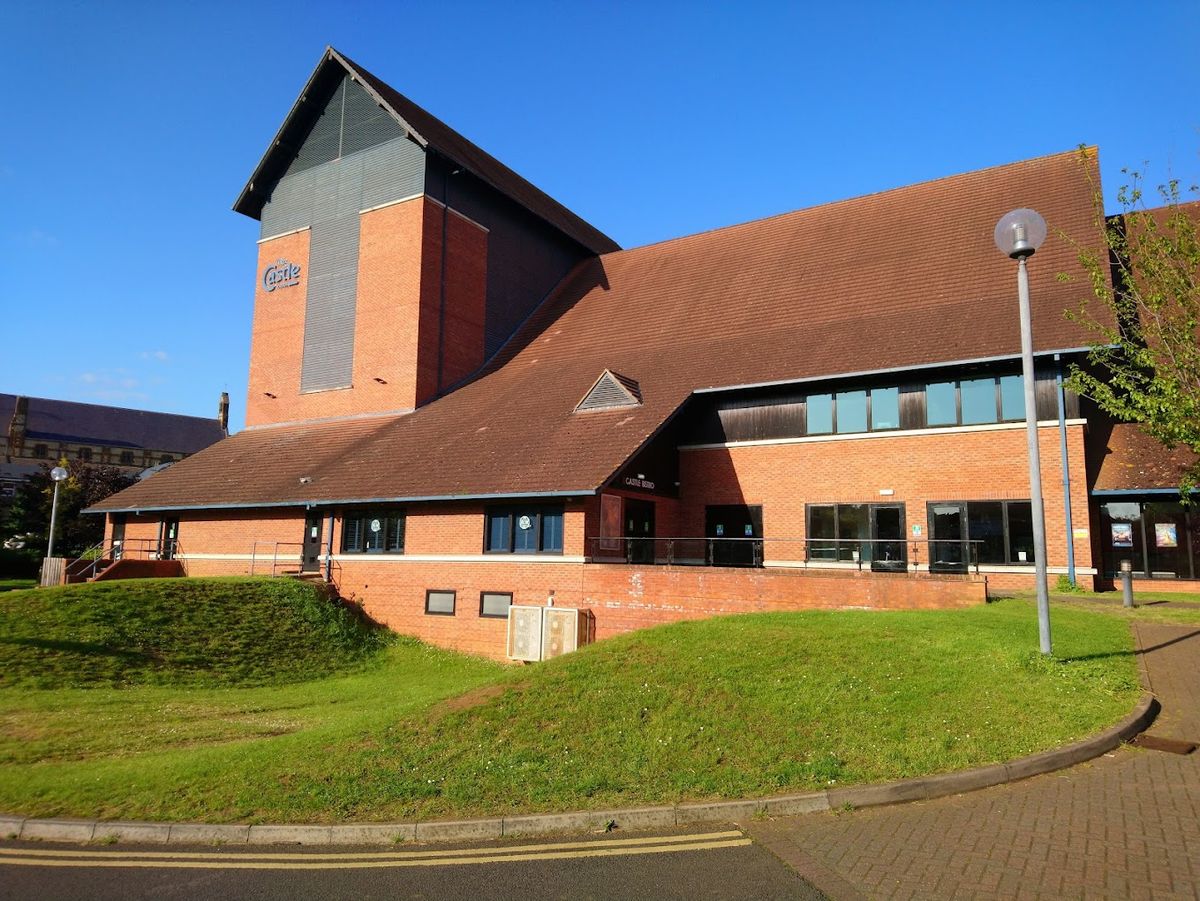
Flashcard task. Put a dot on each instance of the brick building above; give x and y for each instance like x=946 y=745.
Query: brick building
x=463 y=396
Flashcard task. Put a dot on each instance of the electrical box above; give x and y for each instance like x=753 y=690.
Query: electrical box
x=525 y=633
x=539 y=633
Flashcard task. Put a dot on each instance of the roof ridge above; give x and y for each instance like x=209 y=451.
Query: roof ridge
x=1090 y=149
x=84 y=403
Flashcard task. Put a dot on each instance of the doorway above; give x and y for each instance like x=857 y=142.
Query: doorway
x=639 y=531
x=888 y=548
x=948 y=532
x=168 y=539
x=117 y=542
x=731 y=530
x=310 y=553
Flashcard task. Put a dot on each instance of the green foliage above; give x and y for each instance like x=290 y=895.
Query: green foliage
x=729 y=707
x=86 y=484
x=1064 y=585
x=178 y=632
x=1145 y=364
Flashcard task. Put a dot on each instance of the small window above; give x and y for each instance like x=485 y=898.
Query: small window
x=85 y=454
x=885 y=408
x=820 y=414
x=126 y=458
x=379 y=531
x=40 y=451
x=495 y=603
x=439 y=602
x=1012 y=397
x=523 y=530
x=941 y=404
x=166 y=458
x=851 y=412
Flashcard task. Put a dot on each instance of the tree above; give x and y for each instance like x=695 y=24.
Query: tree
x=1145 y=312
x=85 y=485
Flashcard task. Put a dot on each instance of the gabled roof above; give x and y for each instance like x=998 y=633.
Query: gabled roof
x=890 y=281
x=429 y=132
x=63 y=420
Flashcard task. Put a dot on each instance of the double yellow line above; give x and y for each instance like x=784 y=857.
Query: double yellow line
x=250 y=860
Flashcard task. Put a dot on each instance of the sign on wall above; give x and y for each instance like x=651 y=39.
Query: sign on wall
x=281 y=274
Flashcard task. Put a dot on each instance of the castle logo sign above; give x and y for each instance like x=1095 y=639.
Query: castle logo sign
x=281 y=274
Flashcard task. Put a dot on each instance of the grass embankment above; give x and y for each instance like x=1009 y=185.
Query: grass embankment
x=730 y=707
x=14 y=584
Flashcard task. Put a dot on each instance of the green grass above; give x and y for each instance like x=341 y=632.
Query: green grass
x=1181 y=608
x=729 y=707
x=196 y=632
x=14 y=584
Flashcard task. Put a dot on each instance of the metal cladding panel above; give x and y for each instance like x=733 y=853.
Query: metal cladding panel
x=290 y=206
x=364 y=122
x=391 y=171
x=324 y=139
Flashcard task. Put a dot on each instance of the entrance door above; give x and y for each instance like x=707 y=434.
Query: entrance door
x=728 y=528
x=118 y=535
x=639 y=531
x=888 y=549
x=310 y=561
x=168 y=539
x=948 y=533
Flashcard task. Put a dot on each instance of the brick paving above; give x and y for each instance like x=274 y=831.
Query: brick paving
x=1126 y=825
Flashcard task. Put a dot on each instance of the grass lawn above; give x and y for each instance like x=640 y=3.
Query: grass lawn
x=1181 y=608
x=14 y=584
x=729 y=707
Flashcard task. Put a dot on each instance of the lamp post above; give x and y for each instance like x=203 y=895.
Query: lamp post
x=58 y=474
x=1019 y=234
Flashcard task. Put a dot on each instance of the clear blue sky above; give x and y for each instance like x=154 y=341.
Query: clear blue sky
x=129 y=129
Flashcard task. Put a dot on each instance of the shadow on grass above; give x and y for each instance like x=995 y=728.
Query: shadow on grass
x=81 y=647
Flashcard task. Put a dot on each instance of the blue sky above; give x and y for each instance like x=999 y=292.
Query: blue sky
x=129 y=129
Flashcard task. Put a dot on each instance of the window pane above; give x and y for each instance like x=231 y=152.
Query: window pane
x=885 y=408
x=395 y=533
x=376 y=531
x=352 y=535
x=497 y=532
x=978 y=400
x=494 y=604
x=1020 y=532
x=820 y=414
x=525 y=525
x=1012 y=397
x=852 y=523
x=552 y=531
x=1166 y=540
x=852 y=411
x=439 y=602
x=985 y=522
x=940 y=405
x=821 y=526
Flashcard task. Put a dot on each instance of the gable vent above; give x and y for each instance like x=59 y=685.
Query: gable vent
x=612 y=390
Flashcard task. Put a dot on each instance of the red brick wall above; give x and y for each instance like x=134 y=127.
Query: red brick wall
x=963 y=466
x=465 y=294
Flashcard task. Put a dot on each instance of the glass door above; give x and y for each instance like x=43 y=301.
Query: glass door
x=947 y=537
x=311 y=551
x=639 y=531
x=888 y=548
x=168 y=539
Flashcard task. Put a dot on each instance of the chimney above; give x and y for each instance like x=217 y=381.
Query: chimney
x=16 y=427
x=223 y=412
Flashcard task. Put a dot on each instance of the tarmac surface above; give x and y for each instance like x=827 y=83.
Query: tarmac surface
x=1126 y=825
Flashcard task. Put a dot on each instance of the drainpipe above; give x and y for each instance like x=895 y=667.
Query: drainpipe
x=1066 y=472
x=329 y=548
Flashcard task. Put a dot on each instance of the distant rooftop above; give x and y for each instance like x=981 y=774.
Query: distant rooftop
x=68 y=421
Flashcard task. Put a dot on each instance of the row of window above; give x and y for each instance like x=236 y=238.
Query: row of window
x=961 y=402
x=125 y=458
x=527 y=529
x=495 y=604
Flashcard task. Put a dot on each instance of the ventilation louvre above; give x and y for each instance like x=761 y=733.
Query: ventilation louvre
x=612 y=390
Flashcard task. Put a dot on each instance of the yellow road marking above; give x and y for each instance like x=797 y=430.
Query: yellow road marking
x=234 y=863
x=385 y=855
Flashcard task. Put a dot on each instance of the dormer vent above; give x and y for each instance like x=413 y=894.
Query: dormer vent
x=611 y=391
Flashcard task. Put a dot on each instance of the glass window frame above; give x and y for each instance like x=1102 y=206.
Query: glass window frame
x=835 y=427
x=511 y=513
x=959 y=421
x=429 y=592
x=484 y=594
x=967 y=504
x=388 y=517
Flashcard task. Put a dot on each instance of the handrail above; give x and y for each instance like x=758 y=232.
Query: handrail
x=275 y=546
x=87 y=564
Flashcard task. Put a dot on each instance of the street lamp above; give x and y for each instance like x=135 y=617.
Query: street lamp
x=1019 y=234
x=58 y=474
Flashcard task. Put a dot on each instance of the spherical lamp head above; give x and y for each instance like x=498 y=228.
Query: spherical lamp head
x=1020 y=233
x=58 y=473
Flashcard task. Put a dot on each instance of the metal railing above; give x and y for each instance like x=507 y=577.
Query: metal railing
x=879 y=555
x=103 y=554
x=288 y=560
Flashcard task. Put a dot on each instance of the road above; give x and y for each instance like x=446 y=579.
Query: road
x=714 y=863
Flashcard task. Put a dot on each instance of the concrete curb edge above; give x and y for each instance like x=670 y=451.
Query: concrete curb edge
x=923 y=788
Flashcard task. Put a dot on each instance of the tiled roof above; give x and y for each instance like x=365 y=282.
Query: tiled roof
x=62 y=420
x=1130 y=460
x=433 y=134
x=889 y=281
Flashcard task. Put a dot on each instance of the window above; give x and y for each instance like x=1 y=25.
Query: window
x=439 y=602
x=40 y=451
x=820 y=414
x=523 y=530
x=851 y=412
x=857 y=533
x=379 y=531
x=166 y=458
x=885 y=408
x=987 y=532
x=85 y=454
x=126 y=458
x=494 y=603
x=975 y=401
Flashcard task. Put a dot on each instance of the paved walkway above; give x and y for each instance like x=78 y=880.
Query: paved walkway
x=1126 y=825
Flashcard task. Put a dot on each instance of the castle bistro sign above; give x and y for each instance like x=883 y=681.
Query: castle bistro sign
x=281 y=274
